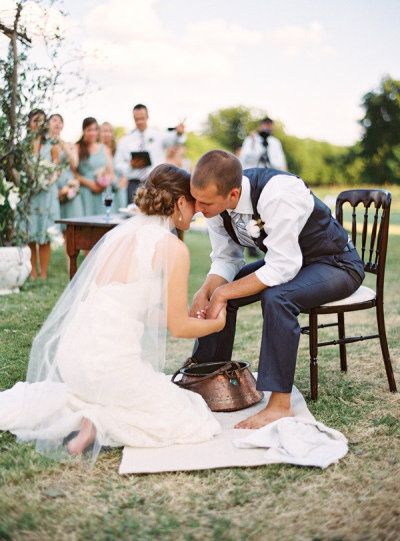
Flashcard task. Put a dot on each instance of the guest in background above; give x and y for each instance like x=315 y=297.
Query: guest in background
x=119 y=185
x=94 y=170
x=68 y=186
x=143 y=138
x=44 y=205
x=262 y=149
x=176 y=155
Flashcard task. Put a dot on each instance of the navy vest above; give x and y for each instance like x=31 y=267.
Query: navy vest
x=321 y=235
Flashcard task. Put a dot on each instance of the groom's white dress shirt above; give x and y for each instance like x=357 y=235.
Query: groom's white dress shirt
x=284 y=206
x=151 y=140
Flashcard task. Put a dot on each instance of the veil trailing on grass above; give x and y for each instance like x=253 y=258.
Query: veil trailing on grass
x=112 y=315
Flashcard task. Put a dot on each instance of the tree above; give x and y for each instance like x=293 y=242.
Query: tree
x=26 y=85
x=230 y=126
x=380 y=143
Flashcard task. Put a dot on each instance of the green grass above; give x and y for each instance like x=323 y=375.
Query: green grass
x=354 y=500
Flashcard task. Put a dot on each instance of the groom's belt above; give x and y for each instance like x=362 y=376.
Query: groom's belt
x=349 y=246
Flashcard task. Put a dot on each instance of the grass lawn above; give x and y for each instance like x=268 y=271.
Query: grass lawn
x=354 y=500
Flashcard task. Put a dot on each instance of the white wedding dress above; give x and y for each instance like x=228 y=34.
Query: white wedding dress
x=99 y=354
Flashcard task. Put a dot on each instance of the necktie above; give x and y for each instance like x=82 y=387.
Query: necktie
x=142 y=172
x=240 y=229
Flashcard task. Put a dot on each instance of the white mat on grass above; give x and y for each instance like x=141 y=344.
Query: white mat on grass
x=222 y=452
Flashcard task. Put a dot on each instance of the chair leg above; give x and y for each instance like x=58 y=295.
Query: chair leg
x=342 y=347
x=313 y=344
x=380 y=316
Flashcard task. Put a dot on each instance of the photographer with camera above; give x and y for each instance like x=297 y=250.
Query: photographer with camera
x=262 y=149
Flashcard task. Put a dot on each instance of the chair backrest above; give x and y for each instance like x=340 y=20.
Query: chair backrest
x=373 y=227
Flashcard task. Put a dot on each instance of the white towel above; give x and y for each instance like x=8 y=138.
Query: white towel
x=298 y=440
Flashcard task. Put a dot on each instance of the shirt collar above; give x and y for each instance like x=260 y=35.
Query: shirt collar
x=135 y=130
x=244 y=205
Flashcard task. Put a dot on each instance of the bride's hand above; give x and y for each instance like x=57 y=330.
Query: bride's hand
x=199 y=304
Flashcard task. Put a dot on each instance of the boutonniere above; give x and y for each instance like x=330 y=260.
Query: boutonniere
x=150 y=140
x=254 y=227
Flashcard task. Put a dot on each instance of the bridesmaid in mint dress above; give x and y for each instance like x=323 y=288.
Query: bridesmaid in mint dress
x=69 y=208
x=44 y=205
x=94 y=164
x=119 y=186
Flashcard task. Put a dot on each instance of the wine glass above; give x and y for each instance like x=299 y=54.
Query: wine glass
x=108 y=198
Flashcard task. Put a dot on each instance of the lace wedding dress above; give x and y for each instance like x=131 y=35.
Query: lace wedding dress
x=99 y=354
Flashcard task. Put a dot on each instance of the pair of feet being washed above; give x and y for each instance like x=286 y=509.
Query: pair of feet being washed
x=277 y=408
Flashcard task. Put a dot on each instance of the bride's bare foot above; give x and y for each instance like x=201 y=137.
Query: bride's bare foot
x=83 y=439
x=277 y=408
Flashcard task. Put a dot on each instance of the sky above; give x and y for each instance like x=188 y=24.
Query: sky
x=306 y=62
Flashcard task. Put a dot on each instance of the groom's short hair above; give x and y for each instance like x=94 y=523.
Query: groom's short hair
x=220 y=168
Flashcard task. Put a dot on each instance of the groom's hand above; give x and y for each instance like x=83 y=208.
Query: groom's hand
x=216 y=304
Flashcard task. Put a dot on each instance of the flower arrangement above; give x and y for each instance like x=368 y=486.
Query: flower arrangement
x=253 y=228
x=9 y=194
x=70 y=190
x=102 y=179
x=47 y=174
x=32 y=176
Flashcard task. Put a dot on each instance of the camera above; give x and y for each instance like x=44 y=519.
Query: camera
x=264 y=134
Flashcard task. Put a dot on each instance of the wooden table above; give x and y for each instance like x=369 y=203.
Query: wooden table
x=83 y=233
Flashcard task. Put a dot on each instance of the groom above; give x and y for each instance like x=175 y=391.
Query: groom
x=308 y=261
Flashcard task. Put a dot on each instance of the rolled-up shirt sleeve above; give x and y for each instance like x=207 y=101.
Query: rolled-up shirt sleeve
x=226 y=257
x=172 y=138
x=284 y=206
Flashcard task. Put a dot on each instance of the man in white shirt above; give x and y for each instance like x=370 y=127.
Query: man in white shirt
x=143 y=138
x=308 y=261
x=262 y=148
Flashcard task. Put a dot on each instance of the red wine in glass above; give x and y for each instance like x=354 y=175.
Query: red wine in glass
x=108 y=201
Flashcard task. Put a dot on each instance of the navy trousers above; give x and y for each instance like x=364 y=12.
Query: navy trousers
x=329 y=279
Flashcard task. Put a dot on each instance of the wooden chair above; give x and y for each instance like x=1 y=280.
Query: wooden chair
x=373 y=255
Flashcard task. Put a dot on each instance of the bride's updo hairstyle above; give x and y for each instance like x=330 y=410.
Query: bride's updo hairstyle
x=163 y=187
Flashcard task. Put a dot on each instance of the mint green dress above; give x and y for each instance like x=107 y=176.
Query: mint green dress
x=70 y=208
x=44 y=207
x=92 y=202
x=120 y=195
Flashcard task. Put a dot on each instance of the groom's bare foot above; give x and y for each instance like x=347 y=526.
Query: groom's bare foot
x=277 y=408
x=84 y=438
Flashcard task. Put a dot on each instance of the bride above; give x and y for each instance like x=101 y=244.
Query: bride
x=94 y=376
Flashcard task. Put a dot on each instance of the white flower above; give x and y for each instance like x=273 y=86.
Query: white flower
x=52 y=230
x=56 y=238
x=13 y=199
x=8 y=185
x=2 y=199
x=253 y=229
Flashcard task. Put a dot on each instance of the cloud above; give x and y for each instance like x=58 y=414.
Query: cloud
x=127 y=36
x=296 y=40
x=134 y=54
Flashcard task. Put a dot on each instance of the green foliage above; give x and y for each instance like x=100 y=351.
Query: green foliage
x=230 y=126
x=119 y=131
x=42 y=499
x=318 y=162
x=375 y=159
x=25 y=85
x=197 y=145
x=380 y=143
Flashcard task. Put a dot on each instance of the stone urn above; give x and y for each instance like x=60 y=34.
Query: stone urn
x=15 y=267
